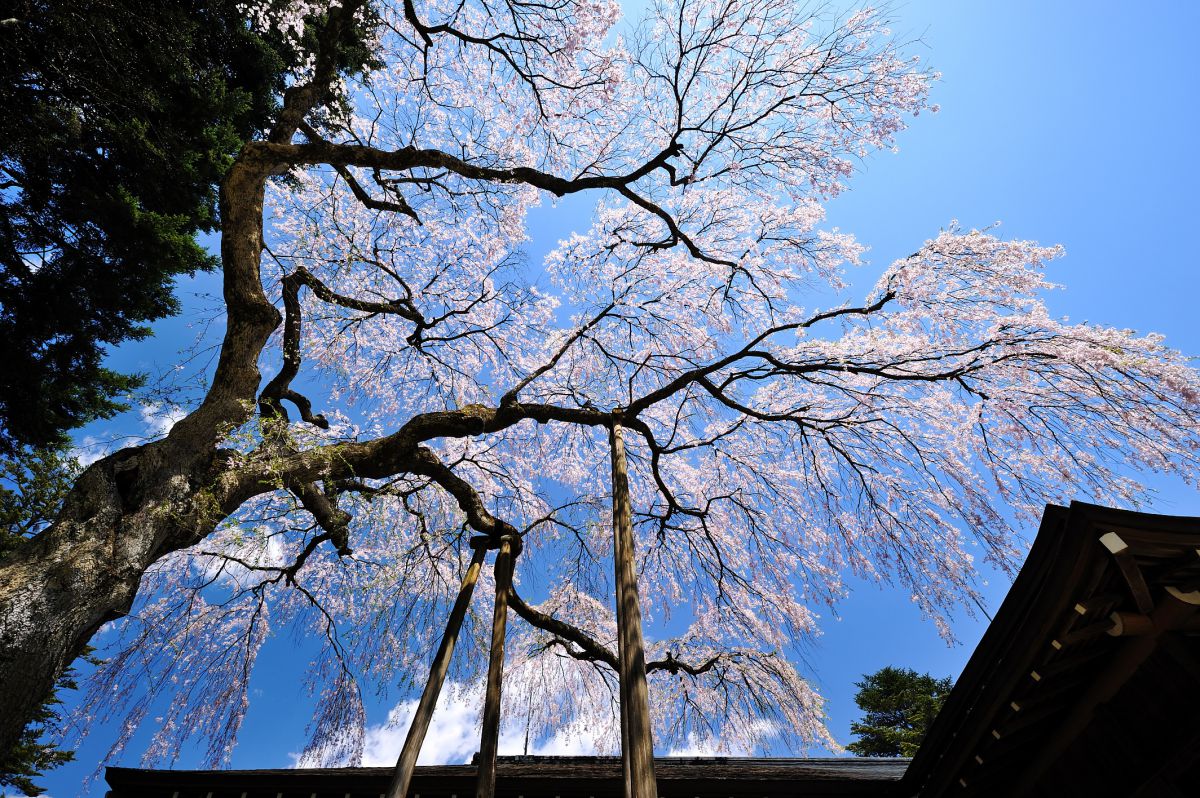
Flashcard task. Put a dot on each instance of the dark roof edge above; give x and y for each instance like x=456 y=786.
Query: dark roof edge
x=988 y=656
x=122 y=777
x=1052 y=571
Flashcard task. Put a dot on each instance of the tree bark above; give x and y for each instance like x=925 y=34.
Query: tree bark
x=437 y=676
x=637 y=743
x=130 y=509
x=56 y=590
x=485 y=786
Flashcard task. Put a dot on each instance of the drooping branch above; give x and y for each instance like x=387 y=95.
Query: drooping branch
x=334 y=521
x=511 y=395
x=512 y=48
x=588 y=647
x=680 y=382
x=582 y=646
x=399 y=205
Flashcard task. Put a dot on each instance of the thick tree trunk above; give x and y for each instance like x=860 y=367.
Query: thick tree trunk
x=125 y=512
x=486 y=782
x=437 y=675
x=637 y=741
x=133 y=507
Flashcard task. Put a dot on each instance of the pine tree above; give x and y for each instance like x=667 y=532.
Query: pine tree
x=898 y=707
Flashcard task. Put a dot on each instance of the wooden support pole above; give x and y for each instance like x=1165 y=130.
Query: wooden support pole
x=637 y=744
x=485 y=785
x=437 y=676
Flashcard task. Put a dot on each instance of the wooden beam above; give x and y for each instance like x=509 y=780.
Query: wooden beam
x=1183 y=570
x=1174 y=610
x=1041 y=693
x=1129 y=569
x=437 y=676
x=1130 y=624
x=1082 y=634
x=1097 y=604
x=637 y=749
x=1067 y=663
x=1018 y=722
x=485 y=785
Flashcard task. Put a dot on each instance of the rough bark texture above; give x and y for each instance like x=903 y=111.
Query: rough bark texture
x=125 y=512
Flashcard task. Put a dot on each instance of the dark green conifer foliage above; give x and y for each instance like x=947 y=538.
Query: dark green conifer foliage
x=898 y=707
x=119 y=118
x=31 y=757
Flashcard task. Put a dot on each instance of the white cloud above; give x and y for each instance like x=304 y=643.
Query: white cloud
x=709 y=745
x=256 y=547
x=158 y=418
x=89 y=450
x=453 y=736
x=571 y=740
x=696 y=746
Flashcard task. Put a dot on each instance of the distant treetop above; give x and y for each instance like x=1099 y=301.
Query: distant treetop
x=898 y=707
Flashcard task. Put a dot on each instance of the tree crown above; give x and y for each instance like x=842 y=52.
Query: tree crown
x=429 y=384
x=898 y=706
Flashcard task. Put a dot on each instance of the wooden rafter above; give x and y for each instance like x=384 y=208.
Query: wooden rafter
x=1123 y=554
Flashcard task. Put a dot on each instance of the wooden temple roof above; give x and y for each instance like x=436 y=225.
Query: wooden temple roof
x=1086 y=683
x=531 y=777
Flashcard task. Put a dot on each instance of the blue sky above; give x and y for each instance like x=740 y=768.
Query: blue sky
x=1070 y=123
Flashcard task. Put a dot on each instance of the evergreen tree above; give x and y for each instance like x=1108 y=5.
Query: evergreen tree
x=898 y=707
x=120 y=117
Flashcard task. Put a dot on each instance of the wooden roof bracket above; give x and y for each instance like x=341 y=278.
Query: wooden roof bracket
x=1129 y=569
x=1174 y=611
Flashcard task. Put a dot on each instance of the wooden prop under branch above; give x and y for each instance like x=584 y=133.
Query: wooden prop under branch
x=485 y=787
x=637 y=743
x=437 y=676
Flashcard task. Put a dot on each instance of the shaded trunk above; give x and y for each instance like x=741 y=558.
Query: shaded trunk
x=130 y=509
x=437 y=676
x=637 y=742
x=58 y=589
x=486 y=783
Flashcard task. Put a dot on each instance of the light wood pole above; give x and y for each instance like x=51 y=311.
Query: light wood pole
x=437 y=676
x=637 y=743
x=485 y=786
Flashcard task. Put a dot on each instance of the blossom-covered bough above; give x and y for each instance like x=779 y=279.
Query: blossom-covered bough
x=444 y=388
